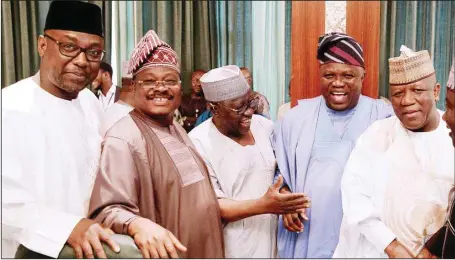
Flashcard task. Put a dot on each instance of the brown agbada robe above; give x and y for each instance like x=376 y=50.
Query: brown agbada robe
x=154 y=172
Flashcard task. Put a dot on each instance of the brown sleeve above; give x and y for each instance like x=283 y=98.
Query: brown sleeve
x=114 y=200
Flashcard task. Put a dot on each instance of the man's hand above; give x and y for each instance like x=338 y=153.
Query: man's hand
x=153 y=240
x=397 y=250
x=293 y=221
x=86 y=239
x=425 y=254
x=278 y=203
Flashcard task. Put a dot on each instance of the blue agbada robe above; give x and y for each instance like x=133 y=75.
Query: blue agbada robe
x=311 y=155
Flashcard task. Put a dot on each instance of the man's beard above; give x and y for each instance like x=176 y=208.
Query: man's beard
x=71 y=87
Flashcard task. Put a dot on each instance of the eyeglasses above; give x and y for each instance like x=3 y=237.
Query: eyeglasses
x=149 y=84
x=71 y=50
x=254 y=103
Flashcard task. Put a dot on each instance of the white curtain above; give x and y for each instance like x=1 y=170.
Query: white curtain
x=126 y=32
x=268 y=26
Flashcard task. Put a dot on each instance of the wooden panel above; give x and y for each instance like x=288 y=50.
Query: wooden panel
x=363 y=23
x=308 y=23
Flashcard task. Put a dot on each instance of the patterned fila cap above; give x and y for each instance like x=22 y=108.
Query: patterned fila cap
x=151 y=51
x=338 y=47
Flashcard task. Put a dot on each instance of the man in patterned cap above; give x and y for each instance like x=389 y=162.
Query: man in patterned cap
x=396 y=181
x=151 y=184
x=442 y=243
x=236 y=148
x=50 y=141
x=313 y=142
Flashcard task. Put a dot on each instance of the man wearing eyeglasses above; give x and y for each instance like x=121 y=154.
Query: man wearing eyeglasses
x=151 y=184
x=236 y=148
x=50 y=141
x=313 y=143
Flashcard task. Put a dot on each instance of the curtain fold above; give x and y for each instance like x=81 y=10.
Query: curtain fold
x=419 y=25
x=20 y=30
x=234 y=33
x=268 y=23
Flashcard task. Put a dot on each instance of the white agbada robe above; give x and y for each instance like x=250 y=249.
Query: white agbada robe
x=50 y=152
x=113 y=114
x=395 y=186
x=241 y=173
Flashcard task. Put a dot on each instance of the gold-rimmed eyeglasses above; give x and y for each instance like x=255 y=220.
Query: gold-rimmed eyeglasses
x=253 y=103
x=149 y=84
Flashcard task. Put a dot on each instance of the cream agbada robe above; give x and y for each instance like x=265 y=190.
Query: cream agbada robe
x=50 y=151
x=241 y=173
x=395 y=185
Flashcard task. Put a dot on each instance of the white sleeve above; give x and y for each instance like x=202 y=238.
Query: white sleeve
x=358 y=191
x=24 y=219
x=213 y=177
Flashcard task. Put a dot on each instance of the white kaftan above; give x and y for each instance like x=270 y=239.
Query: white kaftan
x=50 y=152
x=241 y=173
x=395 y=186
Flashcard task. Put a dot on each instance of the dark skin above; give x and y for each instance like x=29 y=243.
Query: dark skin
x=196 y=88
x=159 y=104
x=103 y=80
x=449 y=115
x=341 y=85
x=415 y=104
x=237 y=127
x=64 y=77
x=127 y=91
x=61 y=76
x=162 y=112
x=231 y=124
x=247 y=75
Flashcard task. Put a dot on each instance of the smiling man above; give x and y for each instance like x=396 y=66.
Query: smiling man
x=312 y=145
x=151 y=183
x=396 y=183
x=50 y=140
x=236 y=148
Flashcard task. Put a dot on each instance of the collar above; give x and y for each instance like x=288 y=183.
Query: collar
x=111 y=91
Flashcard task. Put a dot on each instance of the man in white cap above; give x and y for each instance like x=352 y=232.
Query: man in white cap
x=236 y=148
x=397 y=179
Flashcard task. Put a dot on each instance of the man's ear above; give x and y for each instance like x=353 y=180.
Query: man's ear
x=214 y=108
x=436 y=91
x=42 y=45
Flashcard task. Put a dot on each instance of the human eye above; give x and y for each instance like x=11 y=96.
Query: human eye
x=328 y=76
x=348 y=76
x=69 y=47
x=94 y=52
x=170 y=82
x=397 y=94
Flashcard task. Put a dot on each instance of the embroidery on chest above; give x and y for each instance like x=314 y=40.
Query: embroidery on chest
x=187 y=167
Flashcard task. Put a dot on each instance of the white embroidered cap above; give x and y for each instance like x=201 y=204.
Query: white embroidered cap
x=224 y=83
